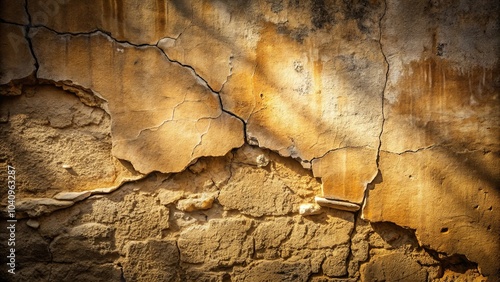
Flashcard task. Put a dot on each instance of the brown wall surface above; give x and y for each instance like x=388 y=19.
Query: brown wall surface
x=267 y=140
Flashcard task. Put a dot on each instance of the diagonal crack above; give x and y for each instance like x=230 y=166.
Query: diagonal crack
x=211 y=89
x=245 y=135
x=204 y=81
x=196 y=75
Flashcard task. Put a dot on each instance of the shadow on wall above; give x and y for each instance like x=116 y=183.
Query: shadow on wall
x=440 y=111
x=438 y=106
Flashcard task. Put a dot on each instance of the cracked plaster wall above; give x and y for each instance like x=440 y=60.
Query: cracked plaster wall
x=187 y=140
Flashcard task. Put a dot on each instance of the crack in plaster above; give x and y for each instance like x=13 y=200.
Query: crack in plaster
x=201 y=137
x=13 y=23
x=196 y=75
x=338 y=149
x=245 y=134
x=178 y=105
x=365 y=197
x=385 y=82
x=28 y=38
x=445 y=146
x=180 y=33
x=109 y=35
x=412 y=151
x=231 y=66
x=154 y=128
x=205 y=83
x=244 y=124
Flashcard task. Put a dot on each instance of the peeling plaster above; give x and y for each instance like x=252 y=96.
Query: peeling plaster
x=290 y=147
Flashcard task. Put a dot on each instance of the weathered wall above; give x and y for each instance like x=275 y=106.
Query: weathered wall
x=198 y=140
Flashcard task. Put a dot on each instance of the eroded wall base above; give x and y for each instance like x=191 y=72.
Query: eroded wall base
x=208 y=224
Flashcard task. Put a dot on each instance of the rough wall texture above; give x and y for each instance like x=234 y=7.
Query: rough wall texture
x=271 y=140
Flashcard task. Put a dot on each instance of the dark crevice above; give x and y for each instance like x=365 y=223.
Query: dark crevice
x=178 y=263
x=378 y=177
x=245 y=137
x=95 y=31
x=13 y=23
x=27 y=32
x=385 y=82
x=183 y=65
x=456 y=262
x=122 y=275
x=353 y=232
x=211 y=89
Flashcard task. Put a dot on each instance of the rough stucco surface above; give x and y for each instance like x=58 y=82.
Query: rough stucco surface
x=187 y=140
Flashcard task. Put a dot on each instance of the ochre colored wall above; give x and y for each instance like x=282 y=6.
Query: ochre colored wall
x=280 y=140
